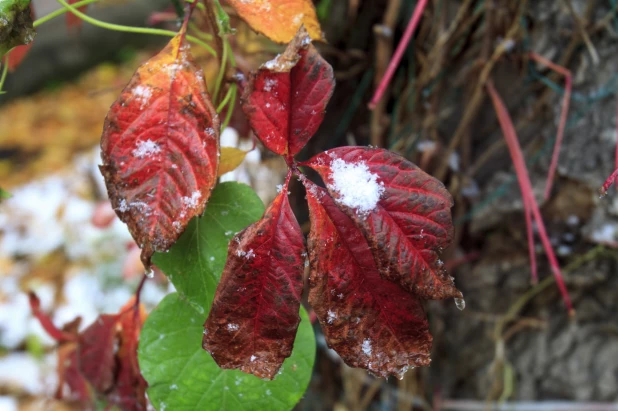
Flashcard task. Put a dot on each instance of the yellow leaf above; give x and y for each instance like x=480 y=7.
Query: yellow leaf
x=231 y=157
x=279 y=20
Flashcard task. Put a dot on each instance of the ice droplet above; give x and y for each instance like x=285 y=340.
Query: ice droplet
x=149 y=273
x=460 y=303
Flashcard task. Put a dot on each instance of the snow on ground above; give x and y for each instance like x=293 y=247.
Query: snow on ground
x=48 y=216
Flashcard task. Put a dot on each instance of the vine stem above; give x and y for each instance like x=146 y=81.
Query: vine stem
x=401 y=48
x=60 y=12
x=131 y=29
x=5 y=70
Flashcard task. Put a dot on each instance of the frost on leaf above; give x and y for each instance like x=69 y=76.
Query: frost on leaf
x=286 y=98
x=255 y=313
x=407 y=227
x=371 y=322
x=160 y=149
x=279 y=19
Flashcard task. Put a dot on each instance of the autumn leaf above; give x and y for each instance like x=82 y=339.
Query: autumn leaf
x=130 y=388
x=17 y=55
x=286 y=98
x=95 y=352
x=160 y=149
x=254 y=316
x=71 y=19
x=403 y=212
x=231 y=158
x=15 y=24
x=370 y=322
x=279 y=20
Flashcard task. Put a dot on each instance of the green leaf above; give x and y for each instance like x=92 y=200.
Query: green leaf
x=183 y=376
x=4 y=194
x=180 y=373
x=15 y=24
x=195 y=263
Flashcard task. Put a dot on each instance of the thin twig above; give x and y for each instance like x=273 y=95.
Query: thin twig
x=526 y=189
x=582 y=31
x=403 y=44
x=566 y=99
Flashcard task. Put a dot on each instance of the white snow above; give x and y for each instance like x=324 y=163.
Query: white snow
x=269 y=84
x=142 y=93
x=331 y=317
x=356 y=186
x=366 y=347
x=192 y=201
x=22 y=371
x=146 y=148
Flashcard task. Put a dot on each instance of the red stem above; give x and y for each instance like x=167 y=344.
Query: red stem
x=401 y=48
x=46 y=322
x=566 y=99
x=526 y=189
x=608 y=183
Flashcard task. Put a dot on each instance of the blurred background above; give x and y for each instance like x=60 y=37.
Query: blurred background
x=514 y=346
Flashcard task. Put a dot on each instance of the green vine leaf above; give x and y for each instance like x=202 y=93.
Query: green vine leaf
x=195 y=263
x=181 y=375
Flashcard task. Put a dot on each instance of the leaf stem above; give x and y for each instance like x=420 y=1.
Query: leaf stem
x=60 y=12
x=5 y=70
x=225 y=100
x=221 y=73
x=230 y=109
x=131 y=29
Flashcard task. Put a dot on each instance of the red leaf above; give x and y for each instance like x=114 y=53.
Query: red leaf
x=96 y=352
x=286 y=98
x=130 y=391
x=71 y=19
x=160 y=148
x=17 y=55
x=372 y=323
x=255 y=313
x=403 y=212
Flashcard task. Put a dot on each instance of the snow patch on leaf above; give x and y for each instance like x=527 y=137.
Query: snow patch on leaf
x=366 y=347
x=146 y=148
x=357 y=187
x=142 y=94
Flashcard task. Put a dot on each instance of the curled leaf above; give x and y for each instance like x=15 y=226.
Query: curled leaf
x=370 y=322
x=279 y=19
x=286 y=98
x=403 y=212
x=254 y=316
x=160 y=149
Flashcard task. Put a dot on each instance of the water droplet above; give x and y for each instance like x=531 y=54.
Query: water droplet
x=149 y=273
x=460 y=303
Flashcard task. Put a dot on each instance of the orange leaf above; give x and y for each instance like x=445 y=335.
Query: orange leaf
x=160 y=148
x=231 y=157
x=279 y=20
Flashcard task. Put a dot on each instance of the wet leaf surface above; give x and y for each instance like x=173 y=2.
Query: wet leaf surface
x=160 y=149
x=371 y=322
x=403 y=212
x=254 y=317
x=286 y=98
